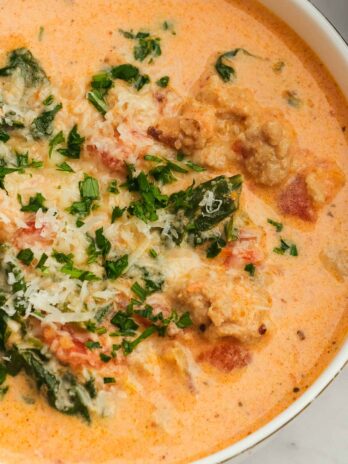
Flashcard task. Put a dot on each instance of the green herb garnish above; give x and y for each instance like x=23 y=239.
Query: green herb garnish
x=292 y=99
x=109 y=380
x=116 y=268
x=116 y=213
x=286 y=247
x=58 y=139
x=250 y=269
x=225 y=71
x=42 y=125
x=74 y=144
x=91 y=345
x=64 y=167
x=113 y=187
x=278 y=225
x=41 y=264
x=30 y=70
x=163 y=82
x=4 y=136
x=26 y=256
x=35 y=203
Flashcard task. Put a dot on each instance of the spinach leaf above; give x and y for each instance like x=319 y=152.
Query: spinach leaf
x=203 y=208
x=30 y=69
x=225 y=71
x=62 y=390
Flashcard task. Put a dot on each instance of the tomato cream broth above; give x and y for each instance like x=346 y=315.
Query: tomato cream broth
x=172 y=412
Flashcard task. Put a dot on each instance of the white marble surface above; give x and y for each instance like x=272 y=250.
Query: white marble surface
x=317 y=436
x=320 y=434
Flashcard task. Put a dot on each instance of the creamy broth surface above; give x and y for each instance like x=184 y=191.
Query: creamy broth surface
x=157 y=417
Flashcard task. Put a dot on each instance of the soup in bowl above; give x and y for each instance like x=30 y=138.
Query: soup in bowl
x=173 y=265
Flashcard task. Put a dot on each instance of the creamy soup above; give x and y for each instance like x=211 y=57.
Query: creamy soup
x=173 y=258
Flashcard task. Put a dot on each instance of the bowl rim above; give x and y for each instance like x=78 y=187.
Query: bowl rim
x=334 y=54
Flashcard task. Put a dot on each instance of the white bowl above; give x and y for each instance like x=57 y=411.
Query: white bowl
x=322 y=37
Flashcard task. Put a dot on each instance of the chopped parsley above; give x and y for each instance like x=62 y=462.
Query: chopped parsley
x=63 y=258
x=168 y=26
x=292 y=99
x=79 y=274
x=131 y=74
x=26 y=256
x=129 y=346
x=116 y=213
x=150 y=199
x=146 y=45
x=4 y=136
x=58 y=139
x=250 y=269
x=163 y=82
x=113 y=187
x=64 y=167
x=41 y=264
x=278 y=225
x=105 y=357
x=116 y=268
x=89 y=191
x=109 y=380
x=214 y=249
x=99 y=246
x=22 y=160
x=48 y=101
x=153 y=253
x=139 y=291
x=101 y=84
x=89 y=188
x=286 y=247
x=91 y=345
x=74 y=144
x=35 y=203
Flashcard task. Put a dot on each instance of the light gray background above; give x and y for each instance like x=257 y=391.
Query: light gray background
x=320 y=434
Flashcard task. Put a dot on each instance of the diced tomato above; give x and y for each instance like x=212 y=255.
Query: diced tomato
x=111 y=162
x=32 y=235
x=296 y=201
x=247 y=249
x=226 y=356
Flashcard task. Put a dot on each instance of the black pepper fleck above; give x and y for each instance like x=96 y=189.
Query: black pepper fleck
x=262 y=329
